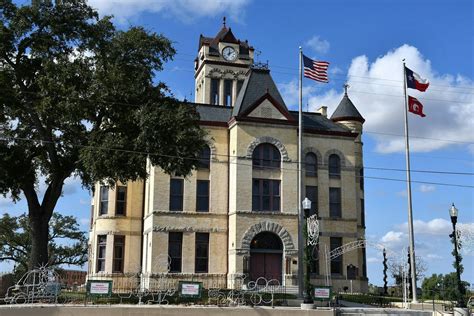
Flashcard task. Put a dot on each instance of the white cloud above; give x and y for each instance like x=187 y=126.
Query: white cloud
x=290 y=93
x=185 y=10
x=393 y=237
x=84 y=221
x=426 y=188
x=318 y=45
x=373 y=260
x=437 y=226
x=448 y=102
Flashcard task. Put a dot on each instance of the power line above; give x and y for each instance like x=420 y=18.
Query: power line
x=370 y=132
x=295 y=73
x=237 y=163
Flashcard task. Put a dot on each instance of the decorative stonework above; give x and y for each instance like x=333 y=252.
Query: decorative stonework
x=313 y=150
x=218 y=73
x=267 y=139
x=212 y=147
x=158 y=228
x=267 y=226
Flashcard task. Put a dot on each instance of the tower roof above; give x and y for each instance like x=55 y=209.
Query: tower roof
x=346 y=111
x=224 y=35
x=258 y=84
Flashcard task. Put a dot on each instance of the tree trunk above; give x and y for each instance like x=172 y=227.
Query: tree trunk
x=39 y=231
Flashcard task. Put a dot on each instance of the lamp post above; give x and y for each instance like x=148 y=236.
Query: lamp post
x=453 y=212
x=307 y=298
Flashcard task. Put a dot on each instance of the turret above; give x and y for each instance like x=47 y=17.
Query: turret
x=346 y=114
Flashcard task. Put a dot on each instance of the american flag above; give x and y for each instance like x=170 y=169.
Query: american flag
x=316 y=70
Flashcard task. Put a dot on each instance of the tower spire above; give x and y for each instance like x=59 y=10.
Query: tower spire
x=346 y=86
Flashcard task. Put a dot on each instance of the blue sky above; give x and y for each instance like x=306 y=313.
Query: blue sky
x=365 y=42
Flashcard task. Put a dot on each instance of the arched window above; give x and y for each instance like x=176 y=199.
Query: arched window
x=311 y=165
x=334 y=166
x=205 y=158
x=266 y=156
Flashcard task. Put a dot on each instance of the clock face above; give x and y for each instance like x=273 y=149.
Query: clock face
x=229 y=53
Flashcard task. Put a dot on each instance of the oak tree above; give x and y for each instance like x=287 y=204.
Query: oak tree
x=79 y=97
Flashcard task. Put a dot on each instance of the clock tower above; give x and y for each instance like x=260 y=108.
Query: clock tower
x=220 y=67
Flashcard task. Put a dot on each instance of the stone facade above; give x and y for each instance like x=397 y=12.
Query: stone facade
x=238 y=224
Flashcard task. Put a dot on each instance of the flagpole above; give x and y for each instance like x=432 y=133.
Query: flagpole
x=299 y=198
x=410 y=210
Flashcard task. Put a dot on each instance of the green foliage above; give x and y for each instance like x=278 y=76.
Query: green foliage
x=67 y=244
x=439 y=286
x=370 y=299
x=78 y=97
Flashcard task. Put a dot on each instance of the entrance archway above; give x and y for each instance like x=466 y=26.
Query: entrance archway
x=266 y=257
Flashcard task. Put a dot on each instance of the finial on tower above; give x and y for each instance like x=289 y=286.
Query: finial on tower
x=346 y=86
x=223 y=21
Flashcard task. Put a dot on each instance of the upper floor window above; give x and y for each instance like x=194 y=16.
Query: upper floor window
x=202 y=196
x=334 y=166
x=104 y=200
x=215 y=91
x=228 y=92
x=266 y=156
x=311 y=165
x=121 y=200
x=176 y=194
x=361 y=178
x=205 y=158
x=335 y=202
x=266 y=195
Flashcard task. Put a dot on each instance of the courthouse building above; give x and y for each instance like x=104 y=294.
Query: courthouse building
x=238 y=212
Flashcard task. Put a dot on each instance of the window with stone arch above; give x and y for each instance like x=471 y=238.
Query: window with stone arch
x=311 y=165
x=266 y=156
x=266 y=191
x=334 y=166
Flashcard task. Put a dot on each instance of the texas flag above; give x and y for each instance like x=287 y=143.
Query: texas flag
x=414 y=80
x=415 y=106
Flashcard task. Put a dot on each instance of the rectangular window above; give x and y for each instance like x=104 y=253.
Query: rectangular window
x=176 y=194
x=239 y=85
x=266 y=195
x=228 y=92
x=361 y=178
x=362 y=212
x=101 y=246
x=214 y=91
x=364 y=263
x=202 y=253
x=335 y=202
x=202 y=196
x=336 y=263
x=175 y=247
x=312 y=195
x=119 y=253
x=121 y=201
x=104 y=200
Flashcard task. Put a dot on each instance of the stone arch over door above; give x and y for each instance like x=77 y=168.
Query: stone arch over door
x=267 y=226
x=267 y=139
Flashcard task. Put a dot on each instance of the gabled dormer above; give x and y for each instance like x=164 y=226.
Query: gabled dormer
x=260 y=98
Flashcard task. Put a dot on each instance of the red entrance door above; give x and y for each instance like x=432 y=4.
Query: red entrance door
x=267 y=265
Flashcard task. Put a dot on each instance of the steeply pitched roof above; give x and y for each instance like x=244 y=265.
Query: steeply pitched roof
x=346 y=111
x=225 y=35
x=257 y=84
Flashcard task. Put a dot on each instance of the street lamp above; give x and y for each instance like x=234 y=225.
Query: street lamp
x=453 y=212
x=307 y=298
